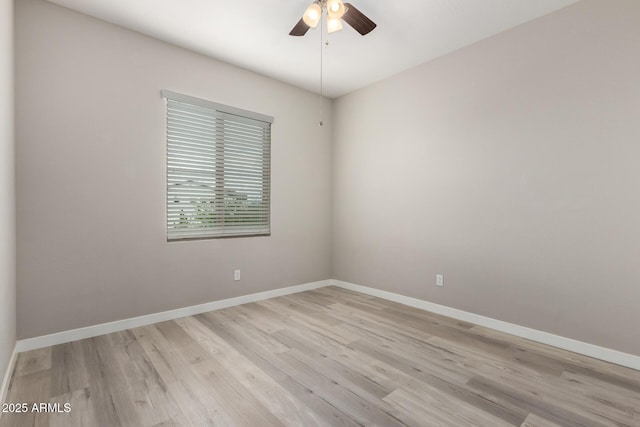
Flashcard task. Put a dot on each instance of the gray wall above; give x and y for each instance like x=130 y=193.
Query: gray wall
x=7 y=191
x=511 y=167
x=90 y=132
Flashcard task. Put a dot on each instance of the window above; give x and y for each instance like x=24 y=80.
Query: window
x=218 y=170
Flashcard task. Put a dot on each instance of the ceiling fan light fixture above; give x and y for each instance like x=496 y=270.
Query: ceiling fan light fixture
x=312 y=15
x=335 y=8
x=334 y=24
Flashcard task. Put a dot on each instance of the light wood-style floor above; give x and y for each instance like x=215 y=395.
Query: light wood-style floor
x=326 y=357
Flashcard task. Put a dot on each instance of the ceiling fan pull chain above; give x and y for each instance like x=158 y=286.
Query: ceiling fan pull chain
x=321 y=73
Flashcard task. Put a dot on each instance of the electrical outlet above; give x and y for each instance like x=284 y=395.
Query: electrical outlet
x=236 y=275
x=439 y=280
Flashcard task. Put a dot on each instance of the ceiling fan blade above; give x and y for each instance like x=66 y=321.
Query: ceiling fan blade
x=358 y=20
x=300 y=29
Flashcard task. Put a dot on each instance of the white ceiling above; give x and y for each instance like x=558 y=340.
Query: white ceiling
x=253 y=34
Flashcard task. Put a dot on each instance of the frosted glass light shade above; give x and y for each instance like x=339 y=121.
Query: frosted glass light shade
x=312 y=15
x=335 y=8
x=334 y=24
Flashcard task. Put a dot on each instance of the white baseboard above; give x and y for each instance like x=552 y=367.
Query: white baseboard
x=134 y=322
x=6 y=379
x=602 y=353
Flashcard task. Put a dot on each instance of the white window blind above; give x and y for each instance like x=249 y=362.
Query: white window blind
x=218 y=170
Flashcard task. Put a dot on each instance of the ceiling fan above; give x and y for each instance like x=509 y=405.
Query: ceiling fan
x=336 y=12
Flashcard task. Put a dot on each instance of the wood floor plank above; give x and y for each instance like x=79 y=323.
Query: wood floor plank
x=551 y=387
x=330 y=366
x=315 y=299
x=188 y=391
x=108 y=384
x=550 y=410
x=82 y=413
x=68 y=372
x=190 y=349
x=143 y=383
x=460 y=392
x=534 y=420
x=361 y=382
x=28 y=388
x=284 y=375
x=236 y=321
x=33 y=361
x=284 y=405
x=261 y=317
x=553 y=391
x=237 y=400
x=303 y=309
x=356 y=406
x=224 y=387
x=432 y=407
x=375 y=324
x=326 y=357
x=169 y=423
x=291 y=319
x=444 y=363
x=338 y=295
x=384 y=376
x=566 y=359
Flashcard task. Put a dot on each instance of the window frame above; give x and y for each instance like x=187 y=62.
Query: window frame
x=222 y=116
